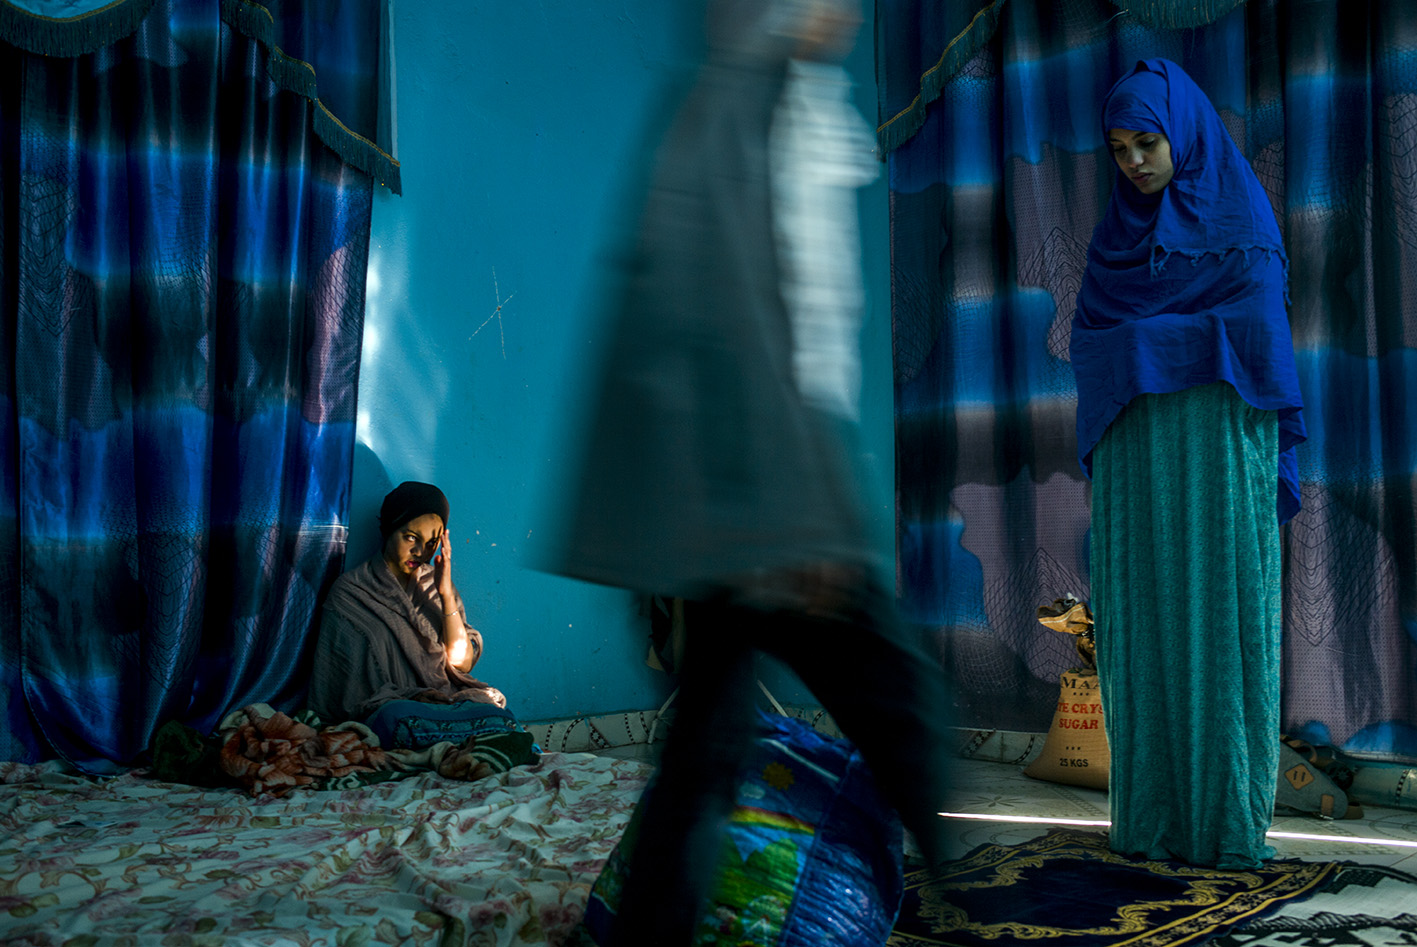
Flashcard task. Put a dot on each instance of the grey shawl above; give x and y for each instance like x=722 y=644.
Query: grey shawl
x=378 y=642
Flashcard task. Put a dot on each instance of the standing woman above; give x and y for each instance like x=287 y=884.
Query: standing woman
x=1188 y=414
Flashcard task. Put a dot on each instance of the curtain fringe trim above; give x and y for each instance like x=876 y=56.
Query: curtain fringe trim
x=80 y=35
x=255 y=22
x=902 y=126
x=1158 y=14
x=67 y=37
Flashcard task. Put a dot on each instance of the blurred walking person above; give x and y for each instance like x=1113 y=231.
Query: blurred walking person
x=719 y=465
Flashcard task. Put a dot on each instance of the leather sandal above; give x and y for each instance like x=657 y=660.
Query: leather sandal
x=1068 y=615
x=1320 y=756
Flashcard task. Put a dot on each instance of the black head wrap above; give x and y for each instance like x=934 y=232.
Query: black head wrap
x=408 y=501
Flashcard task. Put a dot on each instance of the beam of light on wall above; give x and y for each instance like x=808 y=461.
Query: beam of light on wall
x=372 y=282
x=1048 y=820
x=405 y=371
x=369 y=347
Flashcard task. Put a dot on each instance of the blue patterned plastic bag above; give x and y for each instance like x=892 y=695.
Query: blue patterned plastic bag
x=812 y=855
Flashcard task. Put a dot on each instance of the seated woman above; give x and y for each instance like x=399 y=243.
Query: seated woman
x=394 y=641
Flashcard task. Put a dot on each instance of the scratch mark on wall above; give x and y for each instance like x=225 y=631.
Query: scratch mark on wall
x=496 y=314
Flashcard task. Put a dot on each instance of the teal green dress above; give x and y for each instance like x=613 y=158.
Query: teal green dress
x=1186 y=598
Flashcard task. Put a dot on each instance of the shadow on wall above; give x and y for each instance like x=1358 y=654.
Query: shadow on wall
x=368 y=488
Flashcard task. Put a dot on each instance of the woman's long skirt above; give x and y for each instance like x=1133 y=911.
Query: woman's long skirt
x=1186 y=598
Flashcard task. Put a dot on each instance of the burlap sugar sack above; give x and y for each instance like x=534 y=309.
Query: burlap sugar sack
x=1075 y=751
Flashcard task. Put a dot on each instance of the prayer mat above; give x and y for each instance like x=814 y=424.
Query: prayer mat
x=1364 y=906
x=1067 y=889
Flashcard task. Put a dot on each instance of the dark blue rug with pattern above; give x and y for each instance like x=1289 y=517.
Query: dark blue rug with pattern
x=1066 y=889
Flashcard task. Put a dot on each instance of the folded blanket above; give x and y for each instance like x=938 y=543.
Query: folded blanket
x=486 y=755
x=268 y=752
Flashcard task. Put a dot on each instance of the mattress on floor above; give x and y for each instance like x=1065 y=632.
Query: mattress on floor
x=505 y=860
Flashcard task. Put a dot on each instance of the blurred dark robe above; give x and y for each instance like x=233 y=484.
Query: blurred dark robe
x=703 y=468
x=708 y=476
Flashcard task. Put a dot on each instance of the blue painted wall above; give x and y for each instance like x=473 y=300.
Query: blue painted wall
x=520 y=133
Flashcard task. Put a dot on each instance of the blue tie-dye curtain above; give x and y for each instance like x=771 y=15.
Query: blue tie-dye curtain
x=998 y=174
x=185 y=194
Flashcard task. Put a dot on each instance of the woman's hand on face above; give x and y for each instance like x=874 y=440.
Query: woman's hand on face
x=443 y=570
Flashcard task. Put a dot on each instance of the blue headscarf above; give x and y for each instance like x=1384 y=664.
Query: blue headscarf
x=1149 y=323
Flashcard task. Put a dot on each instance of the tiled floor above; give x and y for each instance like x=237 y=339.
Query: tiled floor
x=996 y=794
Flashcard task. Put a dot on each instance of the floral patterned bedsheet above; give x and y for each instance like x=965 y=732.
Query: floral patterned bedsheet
x=506 y=860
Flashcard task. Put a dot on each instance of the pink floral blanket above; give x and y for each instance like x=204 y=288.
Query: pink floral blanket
x=507 y=860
